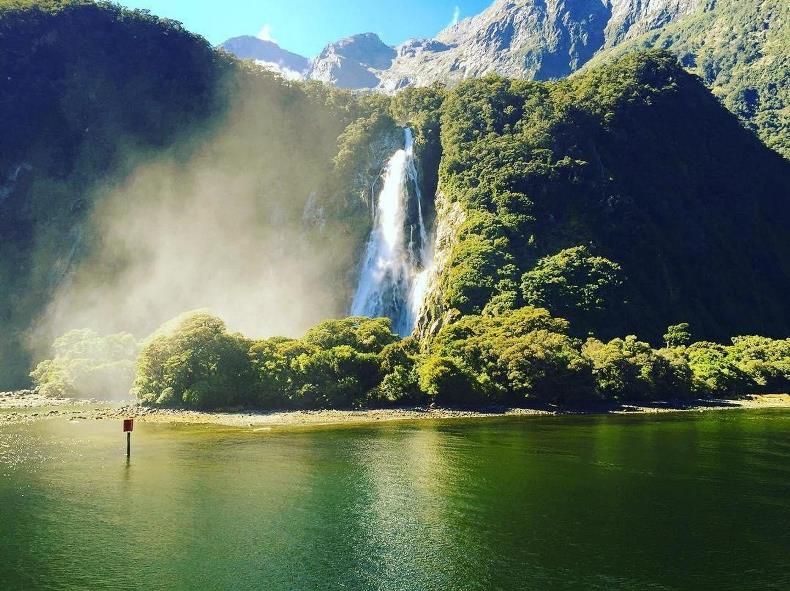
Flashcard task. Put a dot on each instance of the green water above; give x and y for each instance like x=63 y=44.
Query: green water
x=670 y=502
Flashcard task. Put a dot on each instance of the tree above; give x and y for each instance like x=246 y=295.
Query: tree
x=367 y=335
x=195 y=362
x=629 y=369
x=715 y=373
x=514 y=357
x=573 y=284
x=339 y=377
x=446 y=381
x=400 y=386
x=88 y=365
x=398 y=366
x=546 y=367
x=678 y=335
x=273 y=367
x=766 y=362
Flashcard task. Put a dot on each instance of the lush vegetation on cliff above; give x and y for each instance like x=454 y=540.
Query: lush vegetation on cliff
x=625 y=199
x=95 y=98
x=72 y=106
x=739 y=49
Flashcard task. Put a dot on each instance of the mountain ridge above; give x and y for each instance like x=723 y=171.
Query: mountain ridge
x=737 y=48
x=537 y=39
x=267 y=53
x=353 y=62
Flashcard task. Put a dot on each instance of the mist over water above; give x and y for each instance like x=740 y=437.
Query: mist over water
x=223 y=228
x=394 y=272
x=242 y=222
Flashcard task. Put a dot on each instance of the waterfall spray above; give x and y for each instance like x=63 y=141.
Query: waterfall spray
x=394 y=272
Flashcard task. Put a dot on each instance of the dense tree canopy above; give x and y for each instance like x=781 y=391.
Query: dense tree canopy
x=523 y=357
x=678 y=335
x=637 y=162
x=85 y=364
x=195 y=363
x=739 y=49
x=573 y=284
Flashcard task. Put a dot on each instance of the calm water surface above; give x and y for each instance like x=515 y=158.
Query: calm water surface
x=670 y=502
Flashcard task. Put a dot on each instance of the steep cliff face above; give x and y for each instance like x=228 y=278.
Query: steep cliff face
x=631 y=18
x=450 y=216
x=141 y=175
x=638 y=163
x=353 y=63
x=740 y=50
x=75 y=110
x=534 y=39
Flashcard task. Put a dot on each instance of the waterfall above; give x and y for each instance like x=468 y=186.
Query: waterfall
x=395 y=269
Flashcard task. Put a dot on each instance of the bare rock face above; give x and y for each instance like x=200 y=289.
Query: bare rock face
x=535 y=39
x=342 y=72
x=631 y=18
x=354 y=62
x=450 y=216
x=268 y=54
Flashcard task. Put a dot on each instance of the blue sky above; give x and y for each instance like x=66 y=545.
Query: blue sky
x=306 y=26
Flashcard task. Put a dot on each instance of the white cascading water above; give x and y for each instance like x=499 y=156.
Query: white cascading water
x=395 y=271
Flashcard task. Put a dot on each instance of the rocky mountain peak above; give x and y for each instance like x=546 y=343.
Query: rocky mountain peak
x=631 y=18
x=353 y=62
x=267 y=53
x=520 y=38
x=535 y=39
x=366 y=49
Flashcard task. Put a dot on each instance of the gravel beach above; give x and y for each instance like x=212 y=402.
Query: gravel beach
x=19 y=407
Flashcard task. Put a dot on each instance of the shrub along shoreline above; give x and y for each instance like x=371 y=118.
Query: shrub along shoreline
x=523 y=358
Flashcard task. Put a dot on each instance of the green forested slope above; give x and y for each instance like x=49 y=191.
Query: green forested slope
x=82 y=86
x=93 y=98
x=622 y=200
x=682 y=213
x=741 y=50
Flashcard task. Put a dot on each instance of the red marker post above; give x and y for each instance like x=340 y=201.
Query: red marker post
x=128 y=427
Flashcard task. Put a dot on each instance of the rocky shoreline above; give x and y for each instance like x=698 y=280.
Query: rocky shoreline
x=27 y=406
